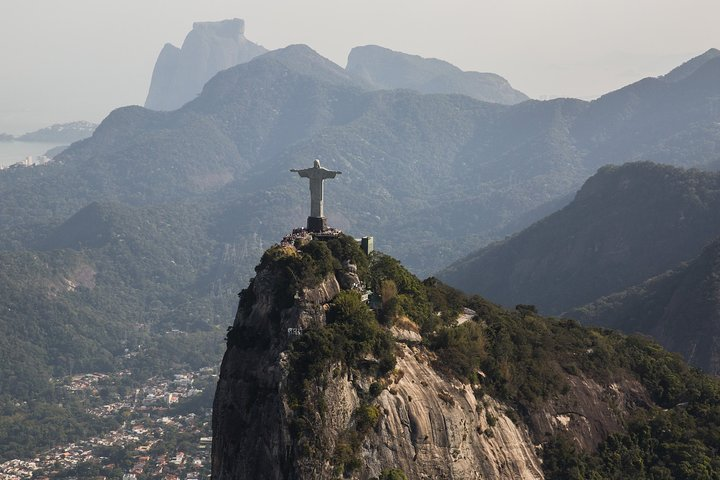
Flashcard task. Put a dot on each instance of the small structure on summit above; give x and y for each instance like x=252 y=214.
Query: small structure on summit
x=316 y=222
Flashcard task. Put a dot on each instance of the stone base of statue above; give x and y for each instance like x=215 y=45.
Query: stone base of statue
x=316 y=224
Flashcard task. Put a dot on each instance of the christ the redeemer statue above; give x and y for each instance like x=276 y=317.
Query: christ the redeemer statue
x=316 y=222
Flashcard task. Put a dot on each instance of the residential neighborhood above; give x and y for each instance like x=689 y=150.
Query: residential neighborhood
x=165 y=433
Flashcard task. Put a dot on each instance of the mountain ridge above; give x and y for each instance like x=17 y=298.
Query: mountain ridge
x=688 y=68
x=315 y=384
x=262 y=117
x=680 y=309
x=382 y=68
x=202 y=191
x=599 y=242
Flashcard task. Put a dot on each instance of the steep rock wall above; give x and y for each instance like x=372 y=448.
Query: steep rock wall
x=434 y=427
x=429 y=424
x=251 y=437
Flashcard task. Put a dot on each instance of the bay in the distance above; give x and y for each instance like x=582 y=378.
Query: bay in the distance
x=16 y=151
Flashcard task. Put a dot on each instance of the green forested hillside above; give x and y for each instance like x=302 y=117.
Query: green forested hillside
x=645 y=412
x=113 y=288
x=170 y=210
x=680 y=309
x=439 y=172
x=625 y=225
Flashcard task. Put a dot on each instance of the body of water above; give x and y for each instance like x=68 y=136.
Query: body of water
x=13 y=152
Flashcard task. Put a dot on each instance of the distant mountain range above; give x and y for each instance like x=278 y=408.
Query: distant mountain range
x=438 y=173
x=172 y=209
x=66 y=133
x=210 y=47
x=382 y=68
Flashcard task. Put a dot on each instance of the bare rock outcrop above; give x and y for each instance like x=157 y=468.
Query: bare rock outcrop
x=251 y=418
x=589 y=411
x=417 y=417
x=434 y=427
x=429 y=425
x=181 y=73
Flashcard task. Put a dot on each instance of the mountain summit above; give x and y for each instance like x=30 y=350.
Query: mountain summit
x=425 y=382
x=691 y=66
x=625 y=225
x=383 y=69
x=180 y=73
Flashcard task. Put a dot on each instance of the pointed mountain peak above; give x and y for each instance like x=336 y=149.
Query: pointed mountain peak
x=92 y=226
x=306 y=61
x=299 y=59
x=691 y=66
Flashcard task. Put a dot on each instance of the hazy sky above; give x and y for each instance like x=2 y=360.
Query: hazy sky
x=64 y=60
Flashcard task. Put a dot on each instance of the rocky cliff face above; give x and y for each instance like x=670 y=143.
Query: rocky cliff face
x=431 y=426
x=417 y=417
x=180 y=73
x=251 y=436
x=436 y=427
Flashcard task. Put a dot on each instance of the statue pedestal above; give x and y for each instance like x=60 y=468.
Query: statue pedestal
x=316 y=224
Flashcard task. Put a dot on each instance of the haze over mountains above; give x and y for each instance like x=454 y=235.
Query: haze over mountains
x=180 y=73
x=210 y=47
x=382 y=68
x=498 y=162
x=424 y=172
x=680 y=309
x=689 y=67
x=625 y=225
x=58 y=133
x=168 y=211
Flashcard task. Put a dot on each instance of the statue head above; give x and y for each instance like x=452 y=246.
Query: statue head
x=316 y=164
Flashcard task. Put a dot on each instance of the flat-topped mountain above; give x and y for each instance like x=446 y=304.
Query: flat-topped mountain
x=180 y=73
x=625 y=225
x=381 y=68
